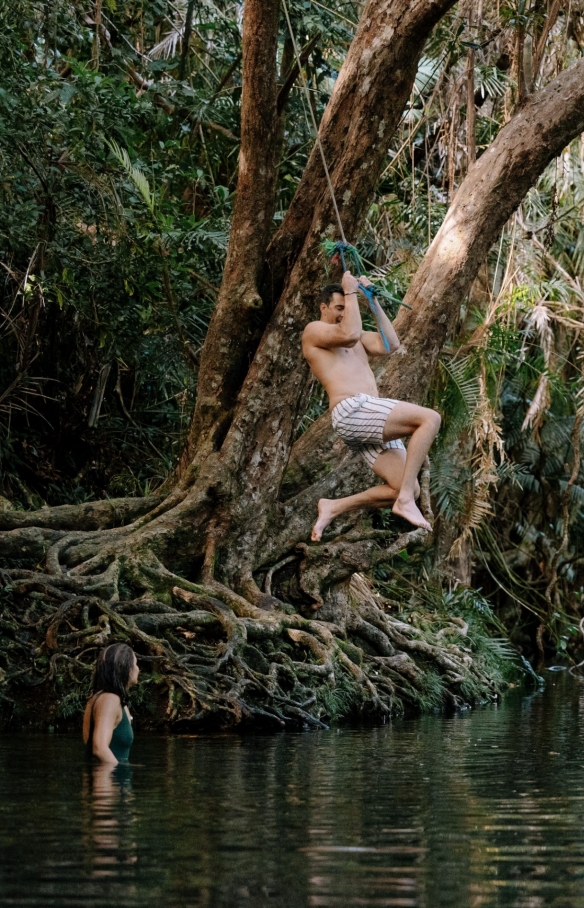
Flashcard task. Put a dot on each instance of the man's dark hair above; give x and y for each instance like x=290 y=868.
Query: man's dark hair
x=112 y=670
x=326 y=294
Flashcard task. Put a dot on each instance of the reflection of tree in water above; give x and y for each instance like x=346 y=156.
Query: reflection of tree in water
x=297 y=821
x=108 y=834
x=500 y=815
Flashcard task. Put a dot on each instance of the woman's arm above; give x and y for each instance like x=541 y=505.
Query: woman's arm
x=107 y=713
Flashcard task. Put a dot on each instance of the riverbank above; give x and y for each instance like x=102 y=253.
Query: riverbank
x=387 y=659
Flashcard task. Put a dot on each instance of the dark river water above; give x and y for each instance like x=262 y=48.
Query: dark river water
x=484 y=808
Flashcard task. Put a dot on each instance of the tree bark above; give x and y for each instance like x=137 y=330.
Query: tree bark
x=361 y=117
x=239 y=303
x=93 y=515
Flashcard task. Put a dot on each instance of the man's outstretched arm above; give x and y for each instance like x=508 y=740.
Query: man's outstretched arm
x=372 y=340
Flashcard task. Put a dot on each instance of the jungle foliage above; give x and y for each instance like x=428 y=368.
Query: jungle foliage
x=119 y=142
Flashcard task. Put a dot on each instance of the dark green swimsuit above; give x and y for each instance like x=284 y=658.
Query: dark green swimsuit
x=122 y=737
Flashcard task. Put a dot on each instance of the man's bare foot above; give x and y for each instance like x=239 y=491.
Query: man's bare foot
x=411 y=512
x=326 y=513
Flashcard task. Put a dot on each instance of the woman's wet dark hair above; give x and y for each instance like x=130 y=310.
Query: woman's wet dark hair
x=112 y=670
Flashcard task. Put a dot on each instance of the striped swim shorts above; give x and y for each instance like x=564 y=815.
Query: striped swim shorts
x=360 y=421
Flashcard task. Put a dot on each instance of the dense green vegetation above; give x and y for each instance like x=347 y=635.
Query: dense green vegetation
x=119 y=139
x=114 y=220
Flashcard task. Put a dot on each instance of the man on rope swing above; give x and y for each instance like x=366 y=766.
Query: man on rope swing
x=337 y=351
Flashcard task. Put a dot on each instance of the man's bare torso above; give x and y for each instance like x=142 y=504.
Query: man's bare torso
x=338 y=350
x=343 y=371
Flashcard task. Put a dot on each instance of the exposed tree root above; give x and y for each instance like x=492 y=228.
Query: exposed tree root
x=316 y=644
x=93 y=515
x=222 y=659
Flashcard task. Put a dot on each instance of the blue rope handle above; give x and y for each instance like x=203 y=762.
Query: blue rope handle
x=375 y=307
x=370 y=292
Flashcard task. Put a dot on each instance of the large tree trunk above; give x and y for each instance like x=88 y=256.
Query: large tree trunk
x=492 y=190
x=369 y=96
x=224 y=360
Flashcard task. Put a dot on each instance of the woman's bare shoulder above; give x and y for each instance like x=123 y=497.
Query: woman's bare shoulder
x=106 y=703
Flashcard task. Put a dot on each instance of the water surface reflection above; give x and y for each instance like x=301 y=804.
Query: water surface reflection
x=485 y=808
x=110 y=847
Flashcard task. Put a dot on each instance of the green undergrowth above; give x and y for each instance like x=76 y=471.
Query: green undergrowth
x=461 y=616
x=341 y=700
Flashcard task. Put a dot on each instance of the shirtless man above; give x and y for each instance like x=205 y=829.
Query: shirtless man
x=338 y=350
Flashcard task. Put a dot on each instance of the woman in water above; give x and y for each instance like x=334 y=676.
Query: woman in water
x=107 y=728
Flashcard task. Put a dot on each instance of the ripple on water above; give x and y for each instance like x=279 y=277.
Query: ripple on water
x=485 y=808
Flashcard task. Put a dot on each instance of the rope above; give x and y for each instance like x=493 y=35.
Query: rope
x=343 y=248
x=314 y=123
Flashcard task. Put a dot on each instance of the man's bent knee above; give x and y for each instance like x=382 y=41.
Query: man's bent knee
x=433 y=419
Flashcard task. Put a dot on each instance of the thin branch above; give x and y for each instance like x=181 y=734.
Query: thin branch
x=186 y=40
x=294 y=72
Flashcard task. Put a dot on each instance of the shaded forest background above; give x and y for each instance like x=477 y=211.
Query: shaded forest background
x=119 y=148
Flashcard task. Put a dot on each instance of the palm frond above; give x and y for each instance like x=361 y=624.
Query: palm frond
x=170 y=45
x=135 y=174
x=466 y=383
x=499 y=647
x=491 y=81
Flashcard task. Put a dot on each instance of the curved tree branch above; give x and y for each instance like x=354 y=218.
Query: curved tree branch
x=491 y=192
